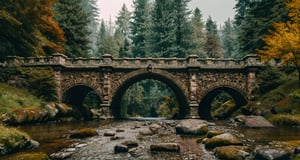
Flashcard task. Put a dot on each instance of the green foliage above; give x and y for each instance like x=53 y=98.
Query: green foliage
x=254 y=20
x=12 y=97
x=140 y=28
x=149 y=98
x=74 y=20
x=198 y=34
x=28 y=29
x=228 y=38
x=212 y=44
x=40 y=82
x=269 y=79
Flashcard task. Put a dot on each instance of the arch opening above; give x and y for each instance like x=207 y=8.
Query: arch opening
x=158 y=95
x=82 y=99
x=221 y=103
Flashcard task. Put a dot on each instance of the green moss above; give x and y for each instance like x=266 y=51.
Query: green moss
x=29 y=156
x=285 y=119
x=12 y=139
x=83 y=133
x=12 y=97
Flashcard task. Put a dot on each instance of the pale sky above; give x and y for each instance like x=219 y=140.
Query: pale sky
x=219 y=10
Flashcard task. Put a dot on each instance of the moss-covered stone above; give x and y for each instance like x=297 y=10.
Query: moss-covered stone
x=225 y=110
x=211 y=134
x=83 y=133
x=192 y=126
x=222 y=140
x=13 y=140
x=232 y=152
x=29 y=156
x=63 y=109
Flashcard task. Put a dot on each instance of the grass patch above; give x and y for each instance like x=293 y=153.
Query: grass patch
x=285 y=119
x=12 y=97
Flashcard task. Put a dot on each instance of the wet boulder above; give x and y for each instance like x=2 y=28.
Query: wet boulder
x=109 y=134
x=130 y=143
x=83 y=133
x=63 y=109
x=51 y=110
x=61 y=155
x=146 y=132
x=222 y=140
x=254 y=121
x=269 y=153
x=154 y=127
x=165 y=147
x=232 y=152
x=213 y=133
x=119 y=148
x=192 y=127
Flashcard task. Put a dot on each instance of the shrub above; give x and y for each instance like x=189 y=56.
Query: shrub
x=41 y=82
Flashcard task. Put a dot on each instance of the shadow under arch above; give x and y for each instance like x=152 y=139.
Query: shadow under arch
x=204 y=109
x=75 y=96
x=180 y=97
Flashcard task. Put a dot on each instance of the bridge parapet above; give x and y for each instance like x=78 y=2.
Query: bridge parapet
x=107 y=60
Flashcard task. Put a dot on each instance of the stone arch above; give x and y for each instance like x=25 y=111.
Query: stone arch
x=163 y=76
x=204 y=110
x=74 y=96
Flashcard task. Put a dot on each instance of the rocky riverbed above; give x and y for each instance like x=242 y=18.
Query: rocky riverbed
x=164 y=139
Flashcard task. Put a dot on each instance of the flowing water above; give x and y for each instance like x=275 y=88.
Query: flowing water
x=53 y=137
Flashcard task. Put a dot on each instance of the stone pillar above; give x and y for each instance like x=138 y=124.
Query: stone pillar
x=251 y=82
x=105 y=106
x=57 y=76
x=193 y=86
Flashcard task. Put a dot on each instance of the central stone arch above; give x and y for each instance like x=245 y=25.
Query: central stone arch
x=238 y=96
x=163 y=76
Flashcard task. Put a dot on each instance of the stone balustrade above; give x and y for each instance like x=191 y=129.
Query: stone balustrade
x=108 y=61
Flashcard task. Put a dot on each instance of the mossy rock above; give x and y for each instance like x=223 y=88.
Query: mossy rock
x=17 y=116
x=192 y=127
x=63 y=109
x=13 y=140
x=29 y=156
x=51 y=110
x=232 y=152
x=222 y=140
x=225 y=110
x=211 y=134
x=83 y=133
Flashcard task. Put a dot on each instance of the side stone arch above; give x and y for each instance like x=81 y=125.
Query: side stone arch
x=72 y=79
x=239 y=96
x=121 y=85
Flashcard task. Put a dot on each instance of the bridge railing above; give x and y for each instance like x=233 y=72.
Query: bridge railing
x=108 y=60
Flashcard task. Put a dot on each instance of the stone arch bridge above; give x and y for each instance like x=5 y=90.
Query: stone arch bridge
x=194 y=81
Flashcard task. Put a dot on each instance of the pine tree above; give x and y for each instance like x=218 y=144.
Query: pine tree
x=198 y=34
x=255 y=21
x=92 y=10
x=123 y=31
x=228 y=38
x=182 y=26
x=74 y=20
x=212 y=44
x=140 y=28
x=106 y=40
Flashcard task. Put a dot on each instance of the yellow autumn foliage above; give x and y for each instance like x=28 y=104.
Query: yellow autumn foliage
x=284 y=41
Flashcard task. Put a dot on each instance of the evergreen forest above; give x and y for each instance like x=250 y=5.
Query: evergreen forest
x=155 y=28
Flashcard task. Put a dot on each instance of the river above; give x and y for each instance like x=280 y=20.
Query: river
x=53 y=137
